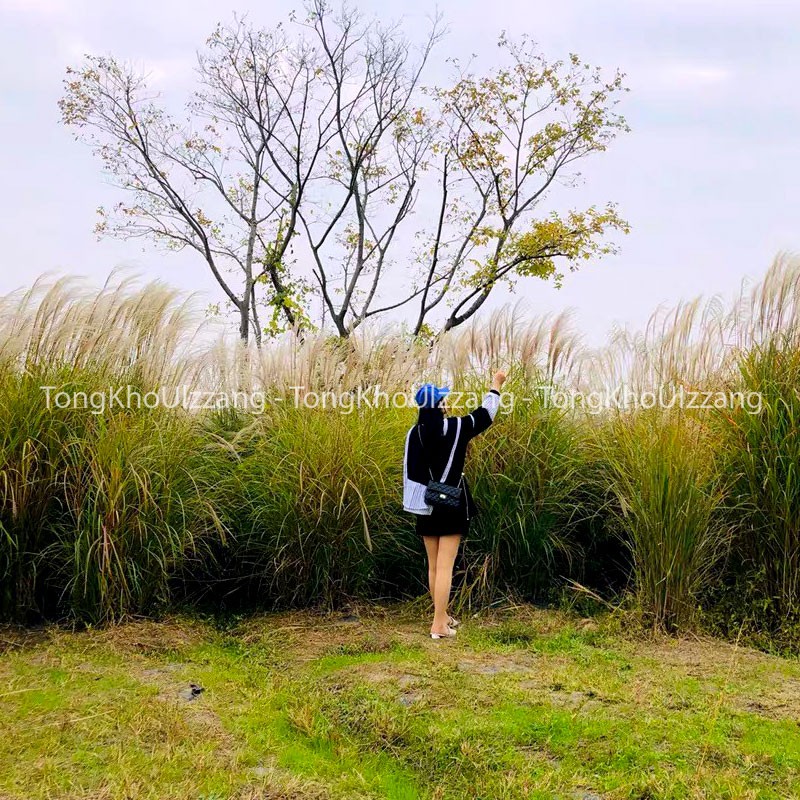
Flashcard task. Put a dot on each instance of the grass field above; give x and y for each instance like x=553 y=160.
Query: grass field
x=526 y=703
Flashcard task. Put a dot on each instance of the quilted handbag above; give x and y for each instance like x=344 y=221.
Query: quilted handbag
x=443 y=495
x=438 y=493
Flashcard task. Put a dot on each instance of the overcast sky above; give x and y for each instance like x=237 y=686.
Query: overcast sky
x=709 y=178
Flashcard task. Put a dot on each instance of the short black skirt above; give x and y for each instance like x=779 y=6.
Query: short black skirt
x=443 y=522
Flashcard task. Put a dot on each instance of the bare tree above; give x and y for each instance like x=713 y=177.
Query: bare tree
x=371 y=172
x=299 y=174
x=200 y=184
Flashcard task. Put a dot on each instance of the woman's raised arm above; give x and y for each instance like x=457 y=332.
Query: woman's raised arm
x=482 y=417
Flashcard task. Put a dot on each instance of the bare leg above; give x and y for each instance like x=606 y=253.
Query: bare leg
x=432 y=549
x=445 y=558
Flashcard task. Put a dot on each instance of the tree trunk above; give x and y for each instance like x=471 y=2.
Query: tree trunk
x=244 y=316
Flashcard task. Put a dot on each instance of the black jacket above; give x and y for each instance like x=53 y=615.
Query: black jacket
x=436 y=449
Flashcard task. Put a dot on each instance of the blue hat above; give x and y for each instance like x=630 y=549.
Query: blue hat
x=429 y=396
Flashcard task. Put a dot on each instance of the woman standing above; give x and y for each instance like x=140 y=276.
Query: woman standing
x=436 y=449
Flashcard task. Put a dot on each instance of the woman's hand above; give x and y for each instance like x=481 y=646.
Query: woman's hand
x=498 y=380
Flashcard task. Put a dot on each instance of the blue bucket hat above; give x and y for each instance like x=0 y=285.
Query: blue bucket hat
x=429 y=396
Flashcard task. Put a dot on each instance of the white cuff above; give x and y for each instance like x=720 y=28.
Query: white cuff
x=491 y=402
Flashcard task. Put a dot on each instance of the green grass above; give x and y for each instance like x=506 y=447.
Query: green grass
x=524 y=704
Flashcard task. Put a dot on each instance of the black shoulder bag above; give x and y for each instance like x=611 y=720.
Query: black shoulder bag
x=438 y=493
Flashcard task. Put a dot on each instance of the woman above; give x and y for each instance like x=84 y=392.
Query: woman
x=436 y=448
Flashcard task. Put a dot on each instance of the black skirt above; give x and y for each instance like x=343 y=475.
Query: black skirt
x=443 y=521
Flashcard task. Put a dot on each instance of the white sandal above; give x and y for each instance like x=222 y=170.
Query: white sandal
x=454 y=623
x=449 y=635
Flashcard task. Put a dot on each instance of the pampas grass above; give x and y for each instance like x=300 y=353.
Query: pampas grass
x=122 y=511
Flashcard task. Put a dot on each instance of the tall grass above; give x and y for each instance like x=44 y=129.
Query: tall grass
x=312 y=501
x=128 y=509
x=133 y=511
x=763 y=461
x=96 y=509
x=529 y=477
x=666 y=497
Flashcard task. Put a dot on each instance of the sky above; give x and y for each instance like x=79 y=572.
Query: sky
x=709 y=177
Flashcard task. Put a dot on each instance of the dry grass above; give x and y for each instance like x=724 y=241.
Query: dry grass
x=63 y=321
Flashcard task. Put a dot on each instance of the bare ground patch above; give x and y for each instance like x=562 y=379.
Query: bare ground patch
x=14 y=637
x=175 y=692
x=151 y=637
x=478 y=663
x=283 y=787
x=702 y=657
x=306 y=636
x=780 y=700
